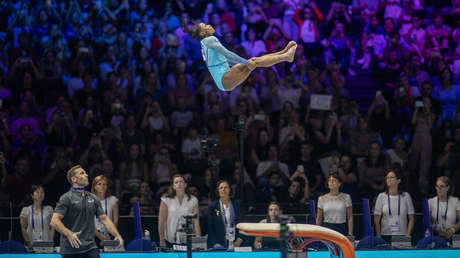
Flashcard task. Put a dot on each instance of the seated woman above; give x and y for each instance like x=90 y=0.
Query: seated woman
x=392 y=210
x=273 y=214
x=444 y=209
x=218 y=59
x=223 y=215
x=335 y=208
x=35 y=219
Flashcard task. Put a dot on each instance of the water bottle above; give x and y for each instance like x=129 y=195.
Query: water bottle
x=146 y=234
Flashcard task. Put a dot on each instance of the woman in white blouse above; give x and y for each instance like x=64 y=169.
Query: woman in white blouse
x=35 y=219
x=444 y=209
x=109 y=205
x=335 y=208
x=394 y=210
x=176 y=204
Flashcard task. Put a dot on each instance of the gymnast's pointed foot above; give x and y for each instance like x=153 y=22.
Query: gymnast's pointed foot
x=291 y=53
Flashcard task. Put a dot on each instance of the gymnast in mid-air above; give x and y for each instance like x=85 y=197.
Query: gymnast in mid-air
x=219 y=59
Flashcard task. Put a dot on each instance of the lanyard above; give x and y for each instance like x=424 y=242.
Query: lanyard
x=106 y=207
x=78 y=188
x=232 y=212
x=33 y=222
x=445 y=213
x=399 y=204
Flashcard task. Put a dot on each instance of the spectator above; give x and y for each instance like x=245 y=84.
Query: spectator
x=447 y=160
x=421 y=149
x=181 y=118
x=361 y=139
x=162 y=168
x=447 y=94
x=446 y=223
x=348 y=174
x=398 y=154
x=298 y=193
x=35 y=219
x=134 y=170
x=335 y=210
x=19 y=182
x=311 y=167
x=273 y=214
x=253 y=45
x=272 y=164
x=145 y=199
x=176 y=204
x=393 y=211
x=55 y=177
x=100 y=188
x=372 y=171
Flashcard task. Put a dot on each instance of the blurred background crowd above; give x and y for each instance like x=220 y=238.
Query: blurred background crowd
x=119 y=88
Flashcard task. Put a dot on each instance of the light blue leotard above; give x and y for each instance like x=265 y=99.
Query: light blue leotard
x=218 y=59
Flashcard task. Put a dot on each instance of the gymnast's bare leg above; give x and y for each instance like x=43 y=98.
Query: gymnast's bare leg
x=239 y=72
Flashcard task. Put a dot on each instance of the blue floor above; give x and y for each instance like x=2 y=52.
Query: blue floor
x=449 y=253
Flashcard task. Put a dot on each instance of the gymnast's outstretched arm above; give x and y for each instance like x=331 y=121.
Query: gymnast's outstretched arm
x=232 y=58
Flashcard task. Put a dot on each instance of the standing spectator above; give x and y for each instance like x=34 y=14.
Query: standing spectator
x=176 y=204
x=448 y=160
x=134 y=170
x=372 y=171
x=19 y=182
x=446 y=223
x=335 y=209
x=398 y=154
x=393 y=211
x=145 y=199
x=272 y=164
x=109 y=204
x=252 y=45
x=348 y=174
x=311 y=167
x=35 y=219
x=361 y=139
x=132 y=135
x=181 y=118
x=421 y=149
x=447 y=93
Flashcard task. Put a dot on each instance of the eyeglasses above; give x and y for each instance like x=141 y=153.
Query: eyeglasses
x=441 y=186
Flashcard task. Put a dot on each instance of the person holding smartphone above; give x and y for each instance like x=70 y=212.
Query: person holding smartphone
x=420 y=156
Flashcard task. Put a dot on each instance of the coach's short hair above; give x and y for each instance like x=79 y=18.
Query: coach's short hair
x=71 y=173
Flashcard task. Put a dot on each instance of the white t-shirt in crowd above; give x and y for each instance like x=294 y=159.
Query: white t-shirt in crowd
x=389 y=224
x=395 y=158
x=182 y=118
x=254 y=49
x=176 y=211
x=444 y=222
x=293 y=95
x=43 y=230
x=192 y=147
x=264 y=165
x=334 y=207
x=155 y=123
x=107 y=206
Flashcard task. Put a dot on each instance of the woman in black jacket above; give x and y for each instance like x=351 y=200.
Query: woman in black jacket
x=223 y=215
